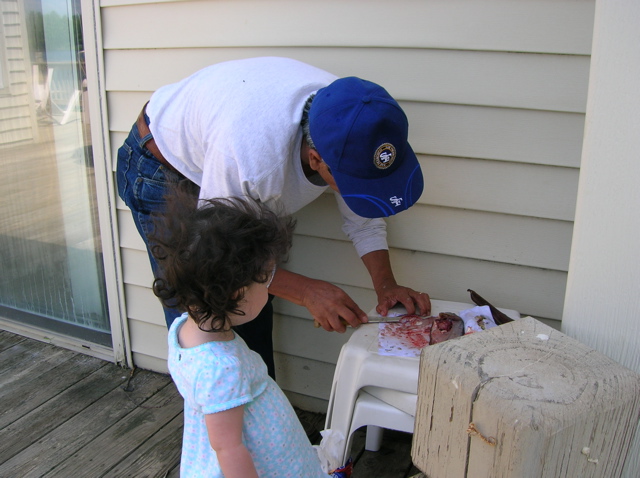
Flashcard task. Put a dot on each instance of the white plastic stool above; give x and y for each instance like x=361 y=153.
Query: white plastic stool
x=390 y=402
x=377 y=415
x=359 y=366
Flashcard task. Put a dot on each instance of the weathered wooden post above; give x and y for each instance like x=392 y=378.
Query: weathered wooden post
x=523 y=400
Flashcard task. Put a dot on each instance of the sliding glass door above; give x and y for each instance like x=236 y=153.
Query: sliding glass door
x=50 y=252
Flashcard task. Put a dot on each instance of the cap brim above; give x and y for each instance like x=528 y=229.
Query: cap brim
x=383 y=197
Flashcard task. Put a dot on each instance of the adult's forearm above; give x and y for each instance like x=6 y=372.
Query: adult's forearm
x=290 y=286
x=379 y=266
x=327 y=304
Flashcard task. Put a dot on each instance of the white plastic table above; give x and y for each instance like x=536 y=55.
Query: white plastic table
x=360 y=365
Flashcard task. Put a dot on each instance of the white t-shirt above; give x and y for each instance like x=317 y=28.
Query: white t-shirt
x=233 y=128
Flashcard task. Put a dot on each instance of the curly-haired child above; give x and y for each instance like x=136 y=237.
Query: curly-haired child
x=217 y=261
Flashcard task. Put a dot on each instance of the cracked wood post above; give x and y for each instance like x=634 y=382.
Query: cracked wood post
x=523 y=400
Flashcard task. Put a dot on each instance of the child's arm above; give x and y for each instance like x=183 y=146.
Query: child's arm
x=225 y=436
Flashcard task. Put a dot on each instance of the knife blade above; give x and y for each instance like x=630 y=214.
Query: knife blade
x=372 y=320
x=383 y=320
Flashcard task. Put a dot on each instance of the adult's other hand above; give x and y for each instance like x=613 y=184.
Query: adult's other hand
x=412 y=300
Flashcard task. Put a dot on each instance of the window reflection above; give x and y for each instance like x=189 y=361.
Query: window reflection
x=49 y=240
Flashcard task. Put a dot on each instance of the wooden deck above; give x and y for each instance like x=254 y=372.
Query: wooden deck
x=65 y=414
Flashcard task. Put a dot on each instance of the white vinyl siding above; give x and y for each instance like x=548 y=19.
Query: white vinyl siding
x=495 y=92
x=17 y=117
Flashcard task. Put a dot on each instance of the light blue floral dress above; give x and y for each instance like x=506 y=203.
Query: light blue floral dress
x=217 y=376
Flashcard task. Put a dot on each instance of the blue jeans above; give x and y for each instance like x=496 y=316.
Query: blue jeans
x=142 y=184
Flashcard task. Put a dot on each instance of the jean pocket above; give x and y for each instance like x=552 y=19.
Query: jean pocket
x=122 y=169
x=149 y=194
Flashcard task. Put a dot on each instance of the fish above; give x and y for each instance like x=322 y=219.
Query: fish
x=446 y=326
x=412 y=333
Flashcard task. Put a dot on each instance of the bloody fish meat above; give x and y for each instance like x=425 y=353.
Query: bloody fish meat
x=418 y=331
x=446 y=326
x=414 y=330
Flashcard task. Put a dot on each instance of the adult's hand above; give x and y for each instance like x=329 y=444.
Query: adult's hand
x=330 y=306
x=388 y=291
x=413 y=301
x=327 y=303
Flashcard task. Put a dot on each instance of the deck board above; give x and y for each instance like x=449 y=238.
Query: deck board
x=7 y=339
x=25 y=358
x=125 y=439
x=62 y=444
x=42 y=420
x=67 y=414
x=24 y=397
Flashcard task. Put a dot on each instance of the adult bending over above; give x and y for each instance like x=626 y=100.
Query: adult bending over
x=281 y=132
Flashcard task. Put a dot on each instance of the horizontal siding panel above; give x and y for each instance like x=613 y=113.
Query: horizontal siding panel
x=305 y=402
x=443 y=277
x=143 y=305
x=304 y=376
x=497 y=186
x=298 y=337
x=128 y=234
x=16 y=123
x=19 y=76
x=494 y=237
x=12 y=25
x=503 y=238
x=503 y=25
x=12 y=112
x=486 y=236
x=530 y=291
x=124 y=109
x=136 y=268
x=147 y=362
x=514 y=80
x=14 y=106
x=116 y=139
x=147 y=339
x=9 y=138
x=14 y=45
x=538 y=137
x=20 y=89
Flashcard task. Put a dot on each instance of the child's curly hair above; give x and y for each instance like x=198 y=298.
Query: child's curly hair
x=209 y=252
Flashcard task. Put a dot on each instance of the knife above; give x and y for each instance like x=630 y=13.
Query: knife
x=372 y=320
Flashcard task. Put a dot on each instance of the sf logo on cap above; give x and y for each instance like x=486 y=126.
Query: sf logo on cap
x=384 y=156
x=396 y=201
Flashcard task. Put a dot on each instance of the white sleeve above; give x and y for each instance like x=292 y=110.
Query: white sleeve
x=367 y=235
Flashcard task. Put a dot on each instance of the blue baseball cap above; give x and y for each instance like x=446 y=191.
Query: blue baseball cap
x=361 y=133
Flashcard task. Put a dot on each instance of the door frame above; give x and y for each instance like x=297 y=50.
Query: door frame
x=105 y=182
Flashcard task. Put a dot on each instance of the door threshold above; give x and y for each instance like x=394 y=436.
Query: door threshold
x=59 y=340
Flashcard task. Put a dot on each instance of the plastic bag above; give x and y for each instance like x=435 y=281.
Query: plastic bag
x=330 y=454
x=477 y=319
